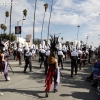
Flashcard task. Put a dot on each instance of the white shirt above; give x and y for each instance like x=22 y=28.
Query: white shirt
x=79 y=52
x=74 y=53
x=48 y=53
x=19 y=49
x=60 y=53
x=28 y=54
x=42 y=51
x=87 y=52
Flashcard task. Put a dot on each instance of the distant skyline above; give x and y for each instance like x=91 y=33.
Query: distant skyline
x=66 y=16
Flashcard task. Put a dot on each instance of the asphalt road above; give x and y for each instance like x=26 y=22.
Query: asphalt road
x=30 y=85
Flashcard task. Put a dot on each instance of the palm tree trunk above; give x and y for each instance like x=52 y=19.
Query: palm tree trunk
x=49 y=21
x=42 y=27
x=5 y=20
x=10 y=23
x=34 y=21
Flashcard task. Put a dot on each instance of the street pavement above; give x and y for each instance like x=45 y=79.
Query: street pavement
x=30 y=85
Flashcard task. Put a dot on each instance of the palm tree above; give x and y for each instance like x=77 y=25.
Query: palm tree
x=45 y=6
x=49 y=21
x=7 y=15
x=4 y=28
x=1 y=26
x=24 y=14
x=34 y=21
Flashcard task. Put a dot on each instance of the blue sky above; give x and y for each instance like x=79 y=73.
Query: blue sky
x=66 y=16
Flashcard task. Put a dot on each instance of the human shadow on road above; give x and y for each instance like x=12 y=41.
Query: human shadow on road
x=82 y=95
x=34 y=93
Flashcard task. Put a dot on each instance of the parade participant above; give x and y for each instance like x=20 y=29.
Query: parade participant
x=60 y=56
x=42 y=56
x=15 y=51
x=79 y=57
x=40 y=52
x=83 y=58
x=64 y=51
x=28 y=56
x=52 y=72
x=19 y=54
x=46 y=64
x=90 y=54
x=25 y=49
x=74 y=56
x=4 y=64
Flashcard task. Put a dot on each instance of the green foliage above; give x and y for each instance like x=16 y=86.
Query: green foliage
x=45 y=6
x=7 y=14
x=25 y=12
x=7 y=36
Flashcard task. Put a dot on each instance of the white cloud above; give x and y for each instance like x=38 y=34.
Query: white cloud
x=65 y=12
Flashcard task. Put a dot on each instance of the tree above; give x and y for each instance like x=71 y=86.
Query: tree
x=6 y=36
x=45 y=6
x=34 y=21
x=4 y=28
x=7 y=15
x=49 y=21
x=24 y=14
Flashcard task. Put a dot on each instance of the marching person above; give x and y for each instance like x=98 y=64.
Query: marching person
x=60 y=58
x=46 y=64
x=15 y=52
x=42 y=56
x=28 y=57
x=4 y=64
x=53 y=71
x=79 y=58
x=74 y=56
x=19 y=54
x=90 y=55
x=64 y=52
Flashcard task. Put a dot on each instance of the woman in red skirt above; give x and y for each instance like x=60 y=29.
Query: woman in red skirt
x=52 y=73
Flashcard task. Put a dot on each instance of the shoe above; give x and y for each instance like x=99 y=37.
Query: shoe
x=55 y=90
x=46 y=95
x=24 y=71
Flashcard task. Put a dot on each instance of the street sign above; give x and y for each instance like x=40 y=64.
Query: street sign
x=17 y=29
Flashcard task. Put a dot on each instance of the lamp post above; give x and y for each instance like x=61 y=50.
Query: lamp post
x=78 y=31
x=17 y=26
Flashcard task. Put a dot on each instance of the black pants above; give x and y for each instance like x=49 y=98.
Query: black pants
x=28 y=62
x=60 y=61
x=42 y=61
x=78 y=64
x=3 y=68
x=73 y=64
x=89 y=60
x=19 y=57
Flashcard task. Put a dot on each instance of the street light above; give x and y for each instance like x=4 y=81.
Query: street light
x=17 y=26
x=78 y=31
